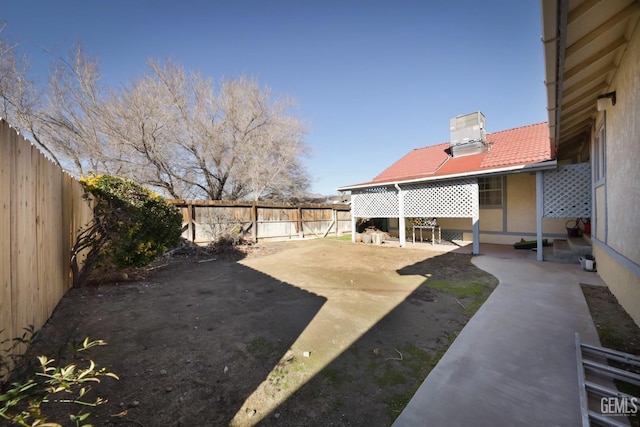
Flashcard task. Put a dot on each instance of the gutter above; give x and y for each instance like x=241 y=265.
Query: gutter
x=562 y=44
x=554 y=50
x=551 y=164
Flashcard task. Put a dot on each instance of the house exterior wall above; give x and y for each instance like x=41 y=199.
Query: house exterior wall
x=617 y=200
x=622 y=280
x=491 y=219
x=521 y=203
x=456 y=223
x=393 y=227
x=506 y=225
x=515 y=220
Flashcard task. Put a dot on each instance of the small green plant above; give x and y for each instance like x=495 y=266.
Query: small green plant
x=131 y=226
x=25 y=402
x=11 y=356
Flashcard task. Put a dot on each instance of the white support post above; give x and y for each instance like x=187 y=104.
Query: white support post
x=353 y=227
x=401 y=219
x=539 y=213
x=476 y=235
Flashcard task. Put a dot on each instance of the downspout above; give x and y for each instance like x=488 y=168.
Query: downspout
x=401 y=223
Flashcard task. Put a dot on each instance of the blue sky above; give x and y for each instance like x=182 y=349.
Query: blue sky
x=374 y=79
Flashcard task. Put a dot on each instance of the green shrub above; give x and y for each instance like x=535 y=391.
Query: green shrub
x=131 y=226
x=26 y=400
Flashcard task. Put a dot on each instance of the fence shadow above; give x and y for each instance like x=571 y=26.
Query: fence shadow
x=384 y=367
x=190 y=344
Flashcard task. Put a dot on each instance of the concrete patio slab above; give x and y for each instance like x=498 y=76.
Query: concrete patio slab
x=514 y=363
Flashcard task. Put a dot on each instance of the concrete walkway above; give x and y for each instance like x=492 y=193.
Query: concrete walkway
x=514 y=363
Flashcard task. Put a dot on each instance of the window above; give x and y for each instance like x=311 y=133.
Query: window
x=599 y=155
x=490 y=189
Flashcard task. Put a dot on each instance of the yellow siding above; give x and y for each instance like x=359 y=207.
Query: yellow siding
x=623 y=283
x=521 y=203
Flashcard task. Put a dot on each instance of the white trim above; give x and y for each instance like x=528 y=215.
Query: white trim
x=539 y=214
x=551 y=164
x=401 y=218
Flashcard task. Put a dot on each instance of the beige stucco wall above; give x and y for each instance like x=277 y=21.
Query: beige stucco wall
x=393 y=227
x=617 y=201
x=522 y=209
x=623 y=156
x=521 y=203
x=491 y=219
x=455 y=223
x=554 y=226
x=623 y=283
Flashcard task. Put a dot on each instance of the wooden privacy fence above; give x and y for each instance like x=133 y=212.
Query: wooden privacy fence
x=203 y=220
x=41 y=211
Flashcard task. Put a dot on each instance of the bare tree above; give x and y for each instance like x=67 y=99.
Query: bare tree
x=19 y=99
x=169 y=129
x=72 y=120
x=66 y=122
x=235 y=144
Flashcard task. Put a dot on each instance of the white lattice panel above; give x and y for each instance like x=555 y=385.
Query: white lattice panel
x=376 y=202
x=448 y=199
x=567 y=191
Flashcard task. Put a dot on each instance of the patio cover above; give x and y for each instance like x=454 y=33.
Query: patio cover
x=450 y=199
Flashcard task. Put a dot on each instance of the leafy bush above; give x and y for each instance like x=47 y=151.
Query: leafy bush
x=26 y=399
x=131 y=226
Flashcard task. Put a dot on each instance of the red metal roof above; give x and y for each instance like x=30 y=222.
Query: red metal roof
x=521 y=146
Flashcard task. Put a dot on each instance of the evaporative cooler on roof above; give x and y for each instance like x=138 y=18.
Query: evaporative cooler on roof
x=468 y=134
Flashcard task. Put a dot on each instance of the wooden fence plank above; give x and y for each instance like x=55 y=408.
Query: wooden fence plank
x=6 y=186
x=264 y=220
x=41 y=210
x=24 y=279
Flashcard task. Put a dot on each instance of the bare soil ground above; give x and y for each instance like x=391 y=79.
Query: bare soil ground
x=616 y=330
x=321 y=332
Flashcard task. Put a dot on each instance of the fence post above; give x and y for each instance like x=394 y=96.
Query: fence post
x=254 y=222
x=300 y=229
x=334 y=219
x=190 y=224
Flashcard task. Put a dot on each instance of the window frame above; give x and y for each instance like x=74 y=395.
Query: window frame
x=490 y=181
x=599 y=155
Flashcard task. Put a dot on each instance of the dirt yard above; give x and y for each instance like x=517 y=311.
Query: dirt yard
x=616 y=330
x=320 y=332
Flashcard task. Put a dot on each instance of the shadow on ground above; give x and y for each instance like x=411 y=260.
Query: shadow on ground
x=372 y=380
x=190 y=343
